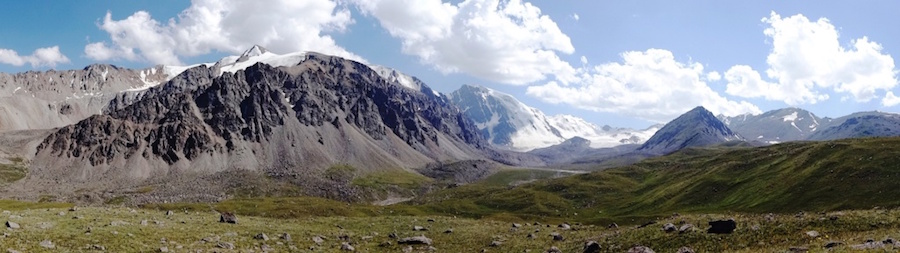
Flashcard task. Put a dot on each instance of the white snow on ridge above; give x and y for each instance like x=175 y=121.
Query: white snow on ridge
x=395 y=76
x=257 y=54
x=790 y=117
x=534 y=129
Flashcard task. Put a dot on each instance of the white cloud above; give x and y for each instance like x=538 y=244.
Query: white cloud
x=713 y=76
x=575 y=16
x=584 y=60
x=890 y=99
x=506 y=41
x=47 y=56
x=807 y=61
x=743 y=81
x=651 y=85
x=227 y=26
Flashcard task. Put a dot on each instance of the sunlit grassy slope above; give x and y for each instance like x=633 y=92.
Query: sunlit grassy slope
x=790 y=177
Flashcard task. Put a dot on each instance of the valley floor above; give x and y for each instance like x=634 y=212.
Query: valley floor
x=122 y=229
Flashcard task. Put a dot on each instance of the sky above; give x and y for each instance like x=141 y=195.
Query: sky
x=618 y=63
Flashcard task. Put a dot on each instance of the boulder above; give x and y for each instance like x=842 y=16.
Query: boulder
x=669 y=228
x=225 y=245
x=226 y=217
x=318 y=240
x=345 y=246
x=686 y=228
x=261 y=236
x=833 y=244
x=591 y=247
x=419 y=228
x=557 y=237
x=12 y=225
x=812 y=233
x=553 y=249
x=722 y=226
x=415 y=240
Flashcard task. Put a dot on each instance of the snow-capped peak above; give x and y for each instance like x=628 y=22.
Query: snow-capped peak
x=256 y=50
x=259 y=54
x=509 y=123
x=393 y=75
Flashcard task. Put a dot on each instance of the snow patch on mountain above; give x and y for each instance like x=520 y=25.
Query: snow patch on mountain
x=790 y=117
x=507 y=122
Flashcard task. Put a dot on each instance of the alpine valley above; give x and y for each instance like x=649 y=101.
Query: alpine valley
x=361 y=153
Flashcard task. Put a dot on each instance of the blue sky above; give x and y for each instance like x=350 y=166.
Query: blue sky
x=646 y=61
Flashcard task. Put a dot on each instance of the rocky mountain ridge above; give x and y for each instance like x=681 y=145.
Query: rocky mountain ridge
x=292 y=121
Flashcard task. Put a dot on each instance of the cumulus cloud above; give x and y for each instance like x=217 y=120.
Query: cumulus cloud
x=575 y=16
x=890 y=99
x=713 y=76
x=225 y=26
x=507 y=41
x=47 y=56
x=807 y=61
x=651 y=85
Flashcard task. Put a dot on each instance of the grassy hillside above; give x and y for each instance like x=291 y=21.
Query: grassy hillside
x=784 y=178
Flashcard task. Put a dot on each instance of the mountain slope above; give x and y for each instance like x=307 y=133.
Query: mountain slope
x=782 y=125
x=508 y=123
x=781 y=178
x=861 y=124
x=294 y=121
x=48 y=99
x=696 y=128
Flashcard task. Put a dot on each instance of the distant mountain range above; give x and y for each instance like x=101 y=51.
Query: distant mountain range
x=506 y=122
x=699 y=128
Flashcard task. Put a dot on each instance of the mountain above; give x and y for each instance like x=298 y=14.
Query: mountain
x=861 y=124
x=698 y=127
x=49 y=99
x=508 y=123
x=782 y=125
x=293 y=116
x=578 y=150
x=793 y=124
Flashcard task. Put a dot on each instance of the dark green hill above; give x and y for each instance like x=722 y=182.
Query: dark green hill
x=790 y=177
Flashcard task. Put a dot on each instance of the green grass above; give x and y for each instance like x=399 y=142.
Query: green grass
x=13 y=172
x=7 y=204
x=511 y=176
x=785 y=178
x=120 y=229
x=391 y=179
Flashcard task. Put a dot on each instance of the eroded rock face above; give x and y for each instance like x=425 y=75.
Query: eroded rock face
x=287 y=122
